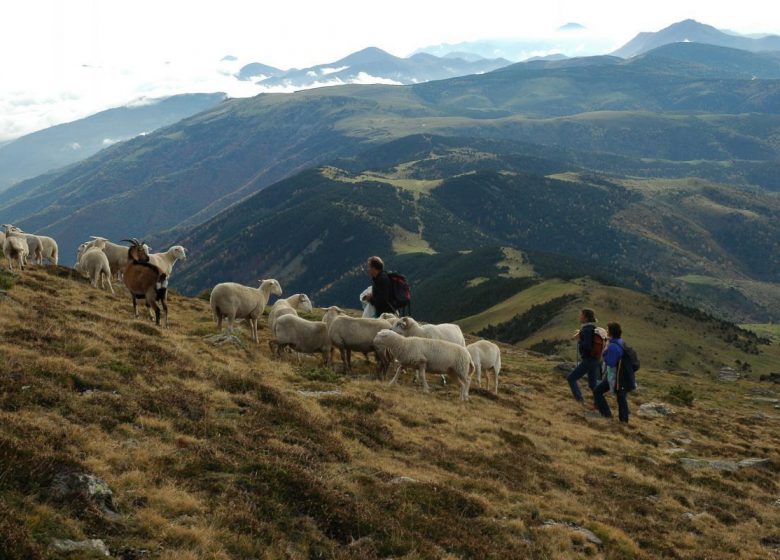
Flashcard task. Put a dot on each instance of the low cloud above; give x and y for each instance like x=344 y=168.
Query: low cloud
x=85 y=90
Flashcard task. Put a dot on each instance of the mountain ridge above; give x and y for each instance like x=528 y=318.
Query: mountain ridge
x=693 y=31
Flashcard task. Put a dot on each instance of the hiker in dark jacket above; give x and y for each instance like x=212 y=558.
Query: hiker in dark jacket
x=589 y=365
x=381 y=288
x=618 y=380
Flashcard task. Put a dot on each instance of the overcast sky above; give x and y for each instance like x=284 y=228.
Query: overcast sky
x=66 y=59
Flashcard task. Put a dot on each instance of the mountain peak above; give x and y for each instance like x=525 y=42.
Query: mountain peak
x=690 y=30
x=572 y=26
x=367 y=55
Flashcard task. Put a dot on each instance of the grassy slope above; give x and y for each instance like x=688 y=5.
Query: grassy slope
x=662 y=337
x=213 y=453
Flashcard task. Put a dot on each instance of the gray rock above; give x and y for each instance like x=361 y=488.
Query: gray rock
x=674 y=450
x=70 y=485
x=564 y=368
x=728 y=374
x=589 y=535
x=720 y=464
x=90 y=546
x=402 y=480
x=752 y=462
x=224 y=338
x=764 y=400
x=654 y=410
x=715 y=464
x=317 y=394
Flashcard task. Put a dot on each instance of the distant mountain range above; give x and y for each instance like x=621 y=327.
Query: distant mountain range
x=371 y=65
x=692 y=31
x=612 y=112
x=64 y=144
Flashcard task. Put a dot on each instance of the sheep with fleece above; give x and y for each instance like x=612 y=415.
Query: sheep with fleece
x=350 y=334
x=288 y=306
x=425 y=354
x=301 y=335
x=406 y=326
x=93 y=264
x=235 y=301
x=49 y=249
x=34 y=246
x=165 y=261
x=485 y=356
x=15 y=246
x=117 y=255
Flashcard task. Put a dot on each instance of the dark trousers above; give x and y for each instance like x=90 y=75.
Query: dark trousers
x=601 y=402
x=589 y=366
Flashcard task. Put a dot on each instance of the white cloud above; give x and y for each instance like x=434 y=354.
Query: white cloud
x=109 y=141
x=75 y=146
x=65 y=60
x=326 y=71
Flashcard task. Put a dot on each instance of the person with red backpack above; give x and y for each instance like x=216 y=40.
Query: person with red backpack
x=381 y=288
x=590 y=344
x=390 y=292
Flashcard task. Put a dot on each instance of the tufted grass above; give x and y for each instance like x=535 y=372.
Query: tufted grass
x=220 y=452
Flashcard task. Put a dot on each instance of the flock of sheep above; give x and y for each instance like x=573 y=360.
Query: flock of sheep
x=393 y=340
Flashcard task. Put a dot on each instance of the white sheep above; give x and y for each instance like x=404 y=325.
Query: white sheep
x=49 y=249
x=288 y=306
x=35 y=247
x=425 y=354
x=302 y=336
x=350 y=334
x=93 y=264
x=117 y=254
x=235 y=301
x=406 y=326
x=391 y=318
x=15 y=246
x=165 y=261
x=485 y=355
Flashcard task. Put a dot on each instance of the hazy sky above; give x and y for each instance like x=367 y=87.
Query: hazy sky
x=65 y=59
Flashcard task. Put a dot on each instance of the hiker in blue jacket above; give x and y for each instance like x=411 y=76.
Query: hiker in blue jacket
x=590 y=364
x=617 y=379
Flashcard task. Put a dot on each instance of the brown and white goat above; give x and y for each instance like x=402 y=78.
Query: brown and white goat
x=145 y=281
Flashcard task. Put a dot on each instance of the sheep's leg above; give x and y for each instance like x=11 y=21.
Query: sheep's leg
x=343 y=354
x=349 y=360
x=479 y=375
x=495 y=374
x=164 y=302
x=253 y=324
x=464 y=388
x=135 y=306
x=394 y=380
x=219 y=320
x=153 y=305
x=231 y=320
x=421 y=375
x=110 y=287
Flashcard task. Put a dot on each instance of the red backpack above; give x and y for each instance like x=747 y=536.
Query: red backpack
x=599 y=342
x=400 y=292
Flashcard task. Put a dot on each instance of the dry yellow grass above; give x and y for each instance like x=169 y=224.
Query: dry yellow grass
x=215 y=452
